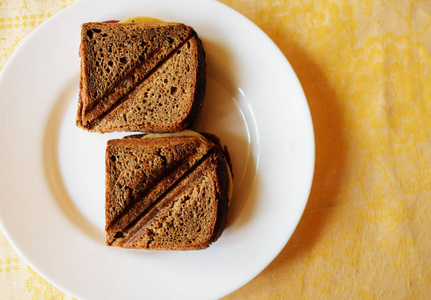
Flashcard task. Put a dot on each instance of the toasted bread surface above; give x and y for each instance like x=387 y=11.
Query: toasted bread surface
x=165 y=193
x=144 y=77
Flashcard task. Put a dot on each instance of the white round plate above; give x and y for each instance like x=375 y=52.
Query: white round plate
x=52 y=173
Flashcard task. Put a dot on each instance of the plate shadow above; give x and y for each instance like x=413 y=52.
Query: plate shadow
x=51 y=166
x=226 y=115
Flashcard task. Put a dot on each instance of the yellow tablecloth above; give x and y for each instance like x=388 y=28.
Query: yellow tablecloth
x=365 y=67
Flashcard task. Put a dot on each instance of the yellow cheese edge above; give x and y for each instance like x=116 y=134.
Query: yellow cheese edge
x=183 y=133
x=192 y=133
x=141 y=20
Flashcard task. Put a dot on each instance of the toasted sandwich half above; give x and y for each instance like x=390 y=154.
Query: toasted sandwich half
x=140 y=77
x=166 y=191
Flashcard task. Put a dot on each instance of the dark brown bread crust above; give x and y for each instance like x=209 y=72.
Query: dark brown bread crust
x=140 y=225
x=200 y=87
x=222 y=184
x=122 y=103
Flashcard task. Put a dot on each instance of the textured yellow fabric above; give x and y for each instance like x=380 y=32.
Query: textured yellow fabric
x=365 y=66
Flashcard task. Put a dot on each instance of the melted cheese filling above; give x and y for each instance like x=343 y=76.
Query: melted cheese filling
x=172 y=134
x=141 y=20
x=192 y=133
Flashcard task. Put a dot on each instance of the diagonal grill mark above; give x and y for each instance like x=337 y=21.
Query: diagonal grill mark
x=145 y=193
x=132 y=230
x=112 y=93
x=126 y=77
x=134 y=208
x=126 y=233
x=133 y=88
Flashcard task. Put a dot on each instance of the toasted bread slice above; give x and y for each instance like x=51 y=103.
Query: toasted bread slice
x=140 y=77
x=166 y=192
